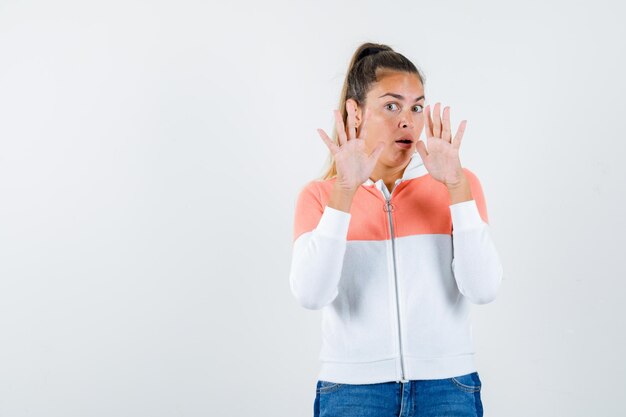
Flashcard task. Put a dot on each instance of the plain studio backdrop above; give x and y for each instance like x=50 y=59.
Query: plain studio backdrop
x=151 y=154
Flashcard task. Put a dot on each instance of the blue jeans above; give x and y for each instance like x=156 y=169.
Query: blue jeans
x=458 y=396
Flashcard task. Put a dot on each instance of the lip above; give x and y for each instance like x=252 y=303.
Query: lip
x=404 y=145
x=406 y=136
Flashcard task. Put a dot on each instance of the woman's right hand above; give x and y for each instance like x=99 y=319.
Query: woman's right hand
x=353 y=163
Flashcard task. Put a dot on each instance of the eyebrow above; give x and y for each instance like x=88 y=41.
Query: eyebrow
x=399 y=97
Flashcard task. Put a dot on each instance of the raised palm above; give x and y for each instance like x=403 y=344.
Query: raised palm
x=353 y=162
x=441 y=159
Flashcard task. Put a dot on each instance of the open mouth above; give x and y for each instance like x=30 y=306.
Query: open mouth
x=404 y=144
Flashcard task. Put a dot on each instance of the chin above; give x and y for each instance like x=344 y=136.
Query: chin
x=397 y=158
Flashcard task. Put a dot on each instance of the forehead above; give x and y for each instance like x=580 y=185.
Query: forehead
x=404 y=83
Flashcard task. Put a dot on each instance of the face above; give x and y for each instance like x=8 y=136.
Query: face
x=393 y=108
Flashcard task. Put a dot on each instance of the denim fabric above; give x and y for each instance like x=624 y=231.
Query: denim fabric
x=458 y=396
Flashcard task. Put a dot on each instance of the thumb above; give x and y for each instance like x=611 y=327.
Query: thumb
x=421 y=149
x=377 y=151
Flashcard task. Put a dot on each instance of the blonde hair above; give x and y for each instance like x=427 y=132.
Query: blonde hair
x=362 y=73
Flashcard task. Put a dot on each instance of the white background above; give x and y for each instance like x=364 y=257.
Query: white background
x=151 y=154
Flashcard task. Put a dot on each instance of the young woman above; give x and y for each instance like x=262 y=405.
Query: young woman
x=393 y=245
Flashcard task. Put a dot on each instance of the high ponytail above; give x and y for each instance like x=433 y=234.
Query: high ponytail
x=366 y=61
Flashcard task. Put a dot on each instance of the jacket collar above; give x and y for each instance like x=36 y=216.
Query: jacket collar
x=414 y=169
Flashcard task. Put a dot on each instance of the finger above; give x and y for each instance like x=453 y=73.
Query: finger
x=421 y=149
x=351 y=121
x=332 y=147
x=428 y=124
x=437 y=121
x=341 y=131
x=459 y=134
x=446 y=133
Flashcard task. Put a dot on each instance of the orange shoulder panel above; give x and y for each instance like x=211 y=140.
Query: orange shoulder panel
x=421 y=206
x=477 y=194
x=309 y=209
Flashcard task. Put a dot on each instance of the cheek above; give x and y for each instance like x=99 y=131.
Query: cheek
x=373 y=134
x=419 y=123
x=386 y=124
x=380 y=128
x=377 y=133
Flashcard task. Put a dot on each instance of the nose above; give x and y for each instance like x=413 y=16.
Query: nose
x=406 y=121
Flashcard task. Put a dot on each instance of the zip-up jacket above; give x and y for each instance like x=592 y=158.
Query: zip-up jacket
x=395 y=277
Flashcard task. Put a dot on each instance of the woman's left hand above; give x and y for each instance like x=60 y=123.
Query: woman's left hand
x=441 y=159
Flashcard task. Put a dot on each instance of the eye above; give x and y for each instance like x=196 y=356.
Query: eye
x=387 y=106
x=418 y=108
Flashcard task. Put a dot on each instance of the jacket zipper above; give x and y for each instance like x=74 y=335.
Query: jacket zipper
x=389 y=208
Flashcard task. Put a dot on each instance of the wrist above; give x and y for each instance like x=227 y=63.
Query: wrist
x=461 y=183
x=343 y=190
x=341 y=198
x=459 y=191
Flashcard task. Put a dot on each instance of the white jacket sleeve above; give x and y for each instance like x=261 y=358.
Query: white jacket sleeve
x=476 y=265
x=317 y=259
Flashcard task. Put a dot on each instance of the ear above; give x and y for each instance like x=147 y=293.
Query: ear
x=352 y=104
